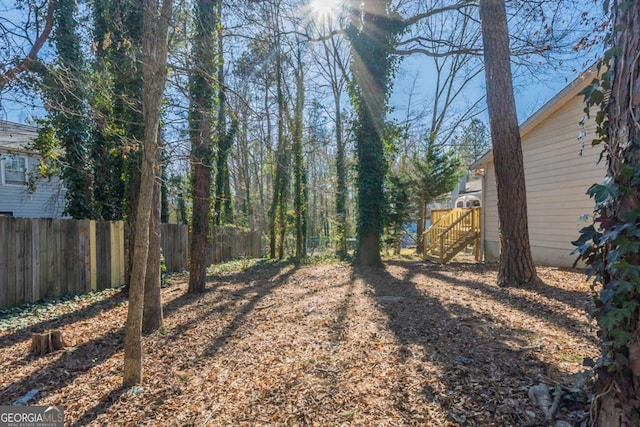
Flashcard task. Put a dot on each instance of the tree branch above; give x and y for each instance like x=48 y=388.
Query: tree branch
x=28 y=61
x=460 y=5
x=428 y=52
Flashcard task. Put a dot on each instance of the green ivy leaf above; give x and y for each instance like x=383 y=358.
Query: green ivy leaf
x=626 y=246
x=606 y=295
x=603 y=191
x=587 y=92
x=621 y=337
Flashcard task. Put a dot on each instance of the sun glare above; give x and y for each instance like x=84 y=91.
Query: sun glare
x=324 y=8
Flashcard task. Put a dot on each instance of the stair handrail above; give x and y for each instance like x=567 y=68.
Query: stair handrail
x=441 y=219
x=433 y=236
x=426 y=233
x=460 y=218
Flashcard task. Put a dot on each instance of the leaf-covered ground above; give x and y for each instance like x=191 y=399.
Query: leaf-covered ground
x=323 y=345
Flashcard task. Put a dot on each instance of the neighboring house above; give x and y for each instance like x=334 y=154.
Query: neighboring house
x=468 y=190
x=16 y=163
x=560 y=165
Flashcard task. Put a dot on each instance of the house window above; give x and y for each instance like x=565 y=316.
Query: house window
x=14 y=170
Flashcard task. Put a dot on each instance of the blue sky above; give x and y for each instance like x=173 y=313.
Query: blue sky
x=531 y=92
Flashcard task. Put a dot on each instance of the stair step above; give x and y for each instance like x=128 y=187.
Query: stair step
x=461 y=231
x=433 y=258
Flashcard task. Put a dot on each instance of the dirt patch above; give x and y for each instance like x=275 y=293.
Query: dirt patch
x=413 y=344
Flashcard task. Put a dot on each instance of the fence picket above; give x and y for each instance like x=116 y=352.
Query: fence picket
x=4 y=266
x=11 y=261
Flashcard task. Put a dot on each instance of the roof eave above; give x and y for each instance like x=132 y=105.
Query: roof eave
x=560 y=99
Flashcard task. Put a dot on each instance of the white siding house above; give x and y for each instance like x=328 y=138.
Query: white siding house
x=558 y=172
x=16 y=162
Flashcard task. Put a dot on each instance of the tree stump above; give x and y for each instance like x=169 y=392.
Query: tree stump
x=47 y=342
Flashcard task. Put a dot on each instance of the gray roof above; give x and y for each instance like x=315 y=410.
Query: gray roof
x=15 y=136
x=473 y=186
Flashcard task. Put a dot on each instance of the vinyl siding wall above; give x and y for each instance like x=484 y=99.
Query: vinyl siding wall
x=46 y=202
x=557 y=178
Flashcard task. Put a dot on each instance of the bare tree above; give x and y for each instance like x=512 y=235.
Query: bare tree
x=152 y=318
x=156 y=17
x=332 y=61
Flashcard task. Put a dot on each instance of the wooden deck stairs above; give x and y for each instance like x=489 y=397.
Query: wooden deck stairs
x=451 y=231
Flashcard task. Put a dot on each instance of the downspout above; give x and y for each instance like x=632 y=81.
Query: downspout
x=483 y=181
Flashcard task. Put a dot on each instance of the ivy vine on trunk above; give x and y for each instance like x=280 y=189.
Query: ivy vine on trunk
x=202 y=93
x=66 y=98
x=373 y=33
x=611 y=245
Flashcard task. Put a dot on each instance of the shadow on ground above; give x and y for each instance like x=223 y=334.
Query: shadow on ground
x=480 y=358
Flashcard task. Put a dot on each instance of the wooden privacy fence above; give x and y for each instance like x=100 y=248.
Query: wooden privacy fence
x=227 y=242
x=231 y=242
x=47 y=258
x=174 y=240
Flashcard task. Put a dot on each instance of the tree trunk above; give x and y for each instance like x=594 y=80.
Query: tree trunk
x=152 y=318
x=516 y=264
x=341 y=190
x=200 y=218
x=154 y=66
x=223 y=212
x=278 y=212
x=299 y=167
x=369 y=251
x=372 y=33
x=617 y=385
x=420 y=222
x=202 y=104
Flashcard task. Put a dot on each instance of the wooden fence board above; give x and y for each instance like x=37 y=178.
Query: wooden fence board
x=11 y=270
x=117 y=253
x=27 y=267
x=46 y=257
x=20 y=260
x=62 y=261
x=35 y=259
x=51 y=245
x=103 y=255
x=59 y=277
x=84 y=255
x=4 y=257
x=174 y=240
x=72 y=261
x=93 y=255
x=229 y=242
